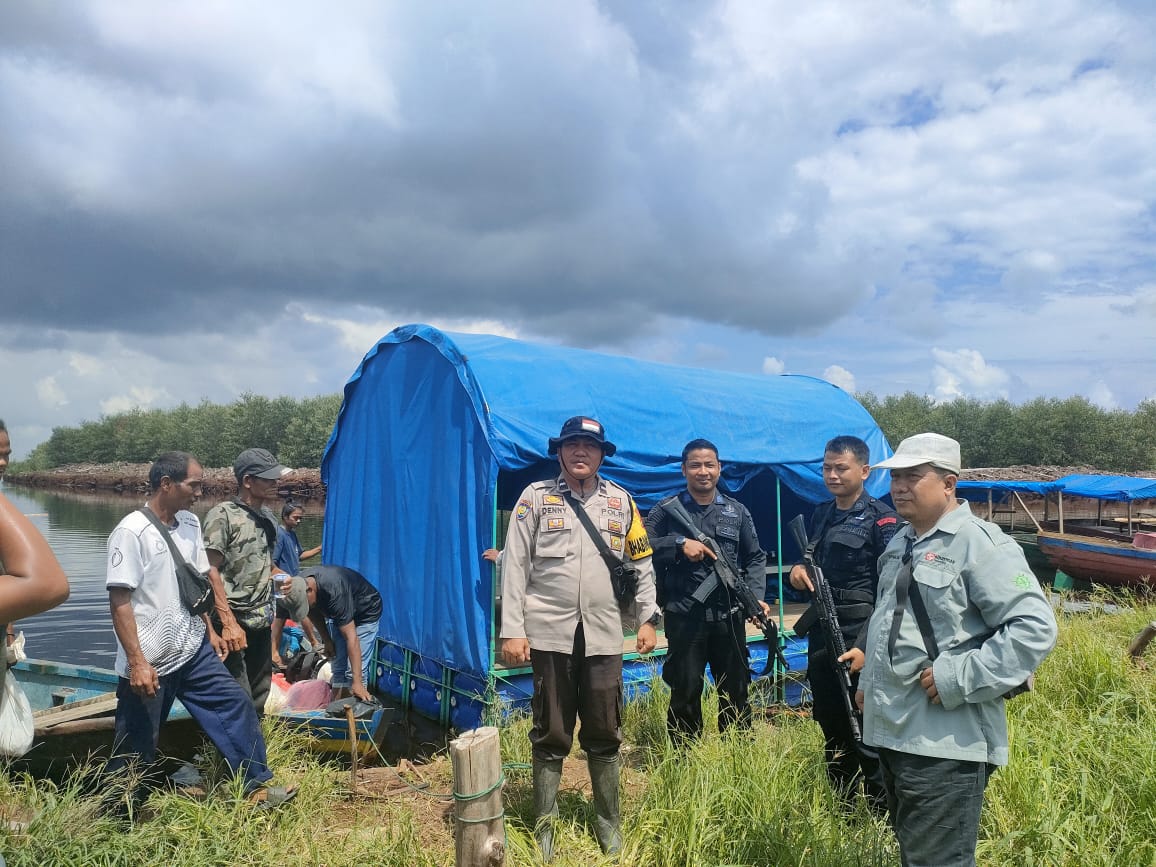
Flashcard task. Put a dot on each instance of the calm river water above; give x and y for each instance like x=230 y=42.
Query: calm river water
x=77 y=528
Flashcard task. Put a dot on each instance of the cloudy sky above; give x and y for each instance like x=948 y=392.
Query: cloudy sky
x=199 y=199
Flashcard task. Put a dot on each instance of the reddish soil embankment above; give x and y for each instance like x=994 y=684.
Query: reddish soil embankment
x=304 y=484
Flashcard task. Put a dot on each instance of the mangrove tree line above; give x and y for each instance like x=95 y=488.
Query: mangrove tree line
x=1044 y=431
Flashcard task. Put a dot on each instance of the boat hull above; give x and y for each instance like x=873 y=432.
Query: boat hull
x=59 y=687
x=330 y=735
x=1100 y=560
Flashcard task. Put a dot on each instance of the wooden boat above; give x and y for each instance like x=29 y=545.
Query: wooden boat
x=74 y=706
x=330 y=735
x=1099 y=557
x=1100 y=549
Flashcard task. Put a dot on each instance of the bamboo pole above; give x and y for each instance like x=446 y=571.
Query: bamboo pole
x=990 y=506
x=1039 y=529
x=1060 y=501
x=479 y=829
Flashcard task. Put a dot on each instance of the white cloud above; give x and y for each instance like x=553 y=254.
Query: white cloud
x=137 y=397
x=773 y=366
x=50 y=393
x=841 y=377
x=1102 y=396
x=964 y=373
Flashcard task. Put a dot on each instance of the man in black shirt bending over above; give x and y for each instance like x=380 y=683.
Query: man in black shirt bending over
x=346 y=609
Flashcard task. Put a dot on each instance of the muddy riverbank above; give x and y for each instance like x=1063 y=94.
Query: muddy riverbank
x=303 y=484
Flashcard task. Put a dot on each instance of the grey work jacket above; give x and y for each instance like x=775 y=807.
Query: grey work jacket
x=993 y=627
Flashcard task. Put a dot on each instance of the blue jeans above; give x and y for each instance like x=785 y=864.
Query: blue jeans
x=213 y=698
x=367 y=638
x=934 y=805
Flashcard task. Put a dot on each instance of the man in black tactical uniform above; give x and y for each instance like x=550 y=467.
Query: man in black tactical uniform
x=848 y=535
x=709 y=630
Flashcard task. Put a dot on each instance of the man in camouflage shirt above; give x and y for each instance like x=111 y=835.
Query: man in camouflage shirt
x=239 y=538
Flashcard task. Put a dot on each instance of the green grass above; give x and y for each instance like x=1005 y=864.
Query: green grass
x=1080 y=790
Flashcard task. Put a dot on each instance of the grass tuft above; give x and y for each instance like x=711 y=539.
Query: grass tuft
x=1080 y=790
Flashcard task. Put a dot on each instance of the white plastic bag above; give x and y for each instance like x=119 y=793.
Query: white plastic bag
x=16 y=724
x=15 y=650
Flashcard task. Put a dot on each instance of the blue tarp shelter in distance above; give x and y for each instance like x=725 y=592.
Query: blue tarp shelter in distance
x=439 y=431
x=1116 y=488
x=1088 y=485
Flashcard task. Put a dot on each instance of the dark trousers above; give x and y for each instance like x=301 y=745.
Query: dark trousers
x=692 y=643
x=252 y=667
x=935 y=806
x=569 y=686
x=848 y=762
x=212 y=698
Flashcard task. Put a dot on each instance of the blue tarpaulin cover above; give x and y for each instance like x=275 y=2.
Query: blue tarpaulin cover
x=430 y=419
x=1099 y=487
x=1095 y=487
x=976 y=491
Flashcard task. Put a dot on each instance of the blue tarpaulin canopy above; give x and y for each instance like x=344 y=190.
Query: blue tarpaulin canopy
x=1095 y=487
x=433 y=422
x=1120 y=488
x=976 y=491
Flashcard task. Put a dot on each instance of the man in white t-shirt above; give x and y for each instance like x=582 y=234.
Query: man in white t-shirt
x=163 y=651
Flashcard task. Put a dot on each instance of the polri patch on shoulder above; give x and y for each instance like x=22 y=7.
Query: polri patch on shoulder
x=522 y=510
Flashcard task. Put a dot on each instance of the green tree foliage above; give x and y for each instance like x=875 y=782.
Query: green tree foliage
x=1044 y=431
x=295 y=431
x=1067 y=432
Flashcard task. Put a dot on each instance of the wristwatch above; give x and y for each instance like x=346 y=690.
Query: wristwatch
x=654 y=618
x=679 y=541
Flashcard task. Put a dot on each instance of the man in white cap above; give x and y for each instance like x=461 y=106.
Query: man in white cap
x=960 y=622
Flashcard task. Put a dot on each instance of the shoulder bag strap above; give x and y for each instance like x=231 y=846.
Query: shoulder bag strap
x=178 y=557
x=612 y=562
x=905 y=587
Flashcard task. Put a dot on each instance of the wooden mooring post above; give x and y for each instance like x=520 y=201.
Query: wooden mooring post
x=480 y=827
x=1140 y=643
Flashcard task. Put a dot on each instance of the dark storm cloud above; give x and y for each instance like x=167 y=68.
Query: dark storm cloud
x=512 y=166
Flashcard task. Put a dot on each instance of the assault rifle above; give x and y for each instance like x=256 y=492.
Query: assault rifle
x=824 y=604
x=725 y=574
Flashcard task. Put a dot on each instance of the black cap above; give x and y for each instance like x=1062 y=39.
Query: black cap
x=581 y=426
x=259 y=463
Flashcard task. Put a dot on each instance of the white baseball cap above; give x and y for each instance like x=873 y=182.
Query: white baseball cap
x=925 y=448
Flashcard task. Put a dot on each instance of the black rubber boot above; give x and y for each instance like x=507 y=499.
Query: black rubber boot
x=607 y=819
x=547 y=778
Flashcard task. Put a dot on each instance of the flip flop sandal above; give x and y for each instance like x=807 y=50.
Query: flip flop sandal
x=272 y=797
